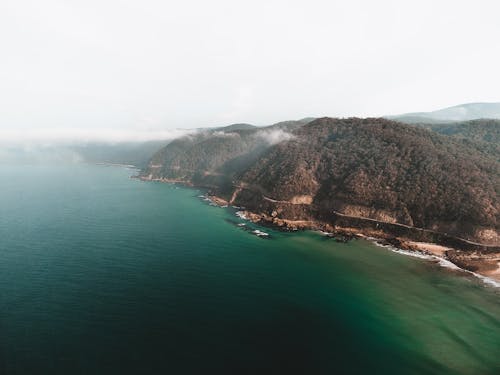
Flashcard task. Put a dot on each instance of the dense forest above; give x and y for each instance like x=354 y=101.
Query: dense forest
x=384 y=170
x=214 y=157
x=482 y=134
x=440 y=177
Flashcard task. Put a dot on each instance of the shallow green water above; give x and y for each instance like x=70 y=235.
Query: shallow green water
x=102 y=274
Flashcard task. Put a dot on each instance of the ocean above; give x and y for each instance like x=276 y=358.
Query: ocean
x=104 y=274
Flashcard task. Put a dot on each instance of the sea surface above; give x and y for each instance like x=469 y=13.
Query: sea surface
x=103 y=274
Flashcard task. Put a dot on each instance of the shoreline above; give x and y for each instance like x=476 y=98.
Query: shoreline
x=487 y=267
x=443 y=262
x=423 y=250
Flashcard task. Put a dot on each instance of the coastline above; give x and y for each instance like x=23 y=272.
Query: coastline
x=423 y=250
x=485 y=267
x=442 y=261
x=447 y=257
x=489 y=272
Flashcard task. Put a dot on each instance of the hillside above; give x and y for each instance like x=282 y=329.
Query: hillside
x=483 y=134
x=364 y=168
x=483 y=130
x=213 y=157
x=383 y=170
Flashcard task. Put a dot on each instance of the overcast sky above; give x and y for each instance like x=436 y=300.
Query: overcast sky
x=99 y=66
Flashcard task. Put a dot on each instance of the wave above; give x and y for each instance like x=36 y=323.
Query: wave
x=441 y=261
x=260 y=233
x=241 y=215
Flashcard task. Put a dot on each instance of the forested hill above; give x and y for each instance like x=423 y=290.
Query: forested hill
x=484 y=130
x=384 y=170
x=482 y=134
x=214 y=157
x=371 y=168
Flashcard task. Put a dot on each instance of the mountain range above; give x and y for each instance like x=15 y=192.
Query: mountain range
x=463 y=112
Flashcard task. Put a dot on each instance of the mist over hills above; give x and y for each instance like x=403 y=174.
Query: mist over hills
x=213 y=157
x=458 y=121
x=464 y=121
x=131 y=153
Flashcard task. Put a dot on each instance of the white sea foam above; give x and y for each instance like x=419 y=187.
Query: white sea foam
x=441 y=261
x=241 y=215
x=487 y=280
x=260 y=233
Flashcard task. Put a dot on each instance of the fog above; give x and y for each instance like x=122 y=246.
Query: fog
x=69 y=135
x=137 y=70
x=274 y=136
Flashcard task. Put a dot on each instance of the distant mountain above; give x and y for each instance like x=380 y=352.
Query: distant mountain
x=463 y=112
x=485 y=130
x=374 y=169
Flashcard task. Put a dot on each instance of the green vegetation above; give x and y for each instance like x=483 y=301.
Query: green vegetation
x=214 y=157
x=373 y=168
x=484 y=135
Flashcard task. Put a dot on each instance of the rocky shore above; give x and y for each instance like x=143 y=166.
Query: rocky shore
x=481 y=259
x=466 y=255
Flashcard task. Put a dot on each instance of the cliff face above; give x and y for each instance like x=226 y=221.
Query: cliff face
x=336 y=170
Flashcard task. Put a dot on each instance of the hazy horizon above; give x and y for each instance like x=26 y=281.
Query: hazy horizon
x=118 y=71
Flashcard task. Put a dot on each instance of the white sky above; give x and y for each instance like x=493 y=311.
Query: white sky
x=73 y=66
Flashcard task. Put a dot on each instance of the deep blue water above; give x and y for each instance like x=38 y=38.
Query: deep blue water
x=103 y=274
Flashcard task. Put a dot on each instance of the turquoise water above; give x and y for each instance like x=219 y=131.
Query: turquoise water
x=102 y=274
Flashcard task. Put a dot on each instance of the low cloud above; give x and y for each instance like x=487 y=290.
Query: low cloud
x=54 y=145
x=76 y=135
x=274 y=136
x=38 y=154
x=219 y=133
